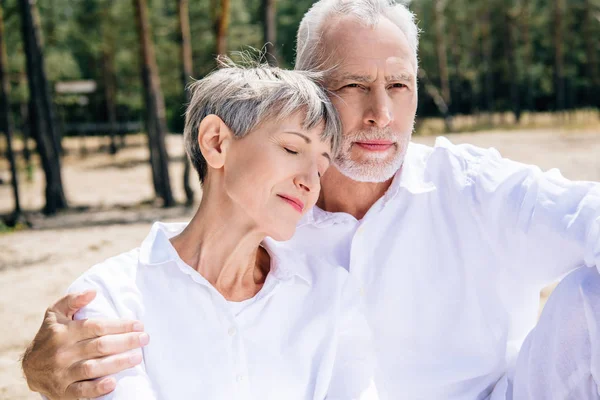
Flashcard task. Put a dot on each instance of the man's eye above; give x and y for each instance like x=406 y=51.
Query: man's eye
x=399 y=85
x=352 y=85
x=290 y=151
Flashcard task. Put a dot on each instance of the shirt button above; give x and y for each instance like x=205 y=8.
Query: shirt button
x=360 y=230
x=232 y=331
x=362 y=291
x=239 y=378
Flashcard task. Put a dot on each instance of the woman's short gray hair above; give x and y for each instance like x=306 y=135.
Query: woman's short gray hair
x=309 y=50
x=245 y=97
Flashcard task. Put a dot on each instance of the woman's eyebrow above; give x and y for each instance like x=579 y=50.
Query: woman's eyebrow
x=303 y=136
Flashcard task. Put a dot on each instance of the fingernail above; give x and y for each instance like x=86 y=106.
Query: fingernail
x=144 y=339
x=138 y=327
x=108 y=384
x=135 y=358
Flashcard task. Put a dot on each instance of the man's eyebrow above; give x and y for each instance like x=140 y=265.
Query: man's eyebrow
x=405 y=77
x=354 y=77
x=400 y=77
x=326 y=155
x=303 y=136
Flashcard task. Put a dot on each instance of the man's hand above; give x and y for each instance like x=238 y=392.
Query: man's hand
x=71 y=359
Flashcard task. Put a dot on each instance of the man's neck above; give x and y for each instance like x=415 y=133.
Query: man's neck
x=342 y=194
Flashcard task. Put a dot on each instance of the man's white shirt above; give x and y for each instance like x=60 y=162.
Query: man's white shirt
x=451 y=261
x=303 y=336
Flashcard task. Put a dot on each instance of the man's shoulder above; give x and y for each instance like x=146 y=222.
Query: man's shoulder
x=445 y=159
x=464 y=152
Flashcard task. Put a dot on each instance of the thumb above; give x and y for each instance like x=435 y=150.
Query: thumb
x=68 y=305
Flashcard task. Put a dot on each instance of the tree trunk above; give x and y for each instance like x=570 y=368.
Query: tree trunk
x=155 y=107
x=528 y=52
x=222 y=26
x=26 y=135
x=591 y=56
x=486 y=45
x=40 y=114
x=438 y=99
x=270 y=30
x=186 y=74
x=109 y=75
x=559 y=63
x=512 y=63
x=441 y=49
x=5 y=118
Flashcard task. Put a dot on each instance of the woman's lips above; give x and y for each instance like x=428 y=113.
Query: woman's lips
x=375 y=145
x=294 y=202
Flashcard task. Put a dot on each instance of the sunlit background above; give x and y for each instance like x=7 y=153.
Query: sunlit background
x=90 y=86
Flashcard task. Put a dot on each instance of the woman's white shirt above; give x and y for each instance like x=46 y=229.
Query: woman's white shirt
x=303 y=336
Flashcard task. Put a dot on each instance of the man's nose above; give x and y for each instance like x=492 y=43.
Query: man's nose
x=378 y=113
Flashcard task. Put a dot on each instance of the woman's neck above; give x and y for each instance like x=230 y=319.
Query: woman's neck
x=224 y=247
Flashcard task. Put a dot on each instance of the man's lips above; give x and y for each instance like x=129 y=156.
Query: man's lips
x=375 y=145
x=294 y=202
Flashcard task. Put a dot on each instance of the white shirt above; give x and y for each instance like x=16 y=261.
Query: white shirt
x=303 y=336
x=452 y=259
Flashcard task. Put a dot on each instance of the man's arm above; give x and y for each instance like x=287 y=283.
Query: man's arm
x=543 y=224
x=70 y=359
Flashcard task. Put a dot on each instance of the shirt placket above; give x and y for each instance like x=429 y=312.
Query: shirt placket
x=232 y=329
x=357 y=261
x=241 y=378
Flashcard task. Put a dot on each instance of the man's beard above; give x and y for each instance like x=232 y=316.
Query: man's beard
x=372 y=170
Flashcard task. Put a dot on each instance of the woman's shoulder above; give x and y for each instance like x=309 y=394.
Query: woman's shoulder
x=110 y=274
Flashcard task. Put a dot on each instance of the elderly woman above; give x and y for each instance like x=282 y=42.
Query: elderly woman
x=230 y=314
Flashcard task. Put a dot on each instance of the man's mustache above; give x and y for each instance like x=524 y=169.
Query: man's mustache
x=372 y=134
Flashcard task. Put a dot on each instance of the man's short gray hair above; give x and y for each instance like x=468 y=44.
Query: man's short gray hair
x=246 y=97
x=309 y=51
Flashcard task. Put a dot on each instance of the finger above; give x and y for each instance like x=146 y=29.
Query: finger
x=68 y=305
x=91 y=389
x=101 y=367
x=111 y=344
x=93 y=328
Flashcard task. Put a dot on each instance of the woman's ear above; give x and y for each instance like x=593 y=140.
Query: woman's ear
x=214 y=138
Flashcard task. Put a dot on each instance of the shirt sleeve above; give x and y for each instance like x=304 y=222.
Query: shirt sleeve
x=354 y=367
x=545 y=225
x=132 y=383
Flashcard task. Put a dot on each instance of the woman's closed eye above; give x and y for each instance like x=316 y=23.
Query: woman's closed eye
x=290 y=151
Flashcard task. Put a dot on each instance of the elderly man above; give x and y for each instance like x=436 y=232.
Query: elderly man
x=452 y=244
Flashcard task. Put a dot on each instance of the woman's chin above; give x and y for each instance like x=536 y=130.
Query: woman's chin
x=281 y=234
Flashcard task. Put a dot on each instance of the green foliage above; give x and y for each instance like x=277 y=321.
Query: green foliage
x=75 y=34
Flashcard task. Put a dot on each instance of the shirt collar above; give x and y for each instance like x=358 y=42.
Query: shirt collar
x=156 y=250
x=412 y=174
x=411 y=178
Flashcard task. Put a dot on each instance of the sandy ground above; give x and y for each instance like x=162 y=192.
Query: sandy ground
x=36 y=266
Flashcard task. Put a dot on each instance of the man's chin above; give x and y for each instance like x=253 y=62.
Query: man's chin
x=368 y=172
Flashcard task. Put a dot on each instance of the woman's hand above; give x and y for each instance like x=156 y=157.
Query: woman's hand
x=70 y=359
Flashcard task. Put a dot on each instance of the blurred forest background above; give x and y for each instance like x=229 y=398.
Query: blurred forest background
x=110 y=68
x=92 y=97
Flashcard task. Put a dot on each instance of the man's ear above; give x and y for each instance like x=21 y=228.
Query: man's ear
x=214 y=138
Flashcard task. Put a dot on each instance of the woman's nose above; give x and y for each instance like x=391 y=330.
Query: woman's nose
x=309 y=180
